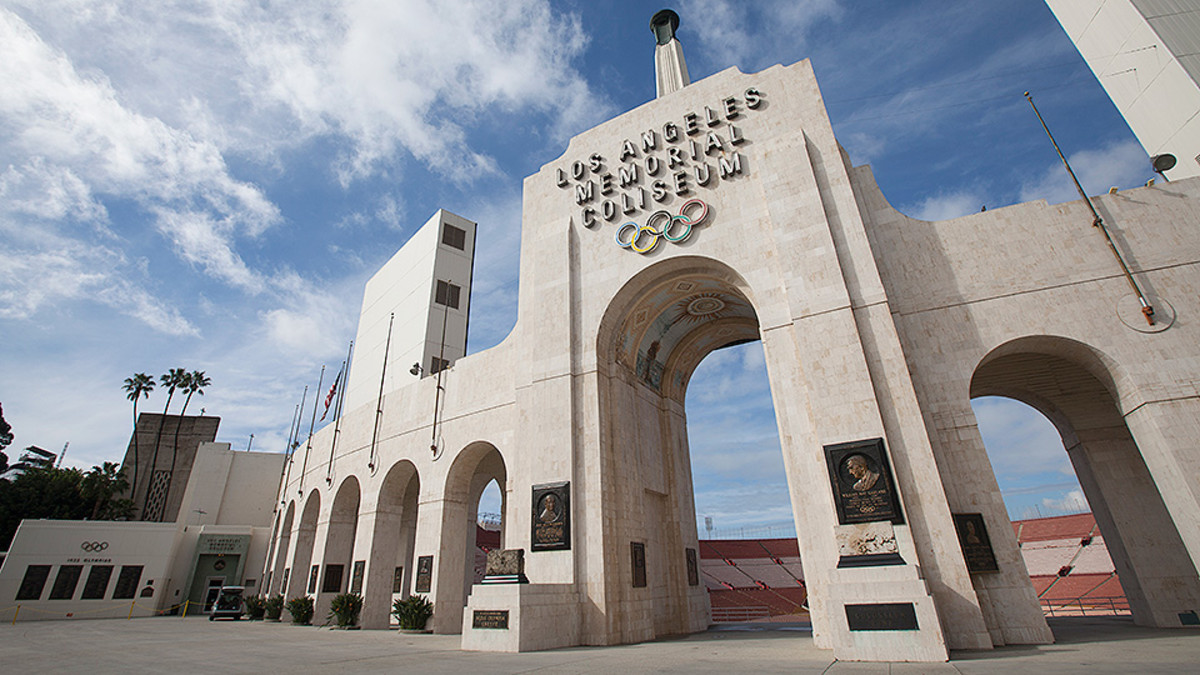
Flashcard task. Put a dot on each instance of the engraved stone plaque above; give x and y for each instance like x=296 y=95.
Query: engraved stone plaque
x=882 y=616
x=508 y=562
x=424 y=573
x=551 y=522
x=867 y=545
x=637 y=554
x=976 y=546
x=861 y=479
x=490 y=618
x=693 y=569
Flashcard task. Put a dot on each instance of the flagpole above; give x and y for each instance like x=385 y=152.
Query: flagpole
x=311 y=426
x=287 y=454
x=1097 y=221
x=437 y=398
x=379 y=402
x=337 y=413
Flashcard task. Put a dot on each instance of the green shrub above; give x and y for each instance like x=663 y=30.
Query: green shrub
x=256 y=606
x=345 y=609
x=274 y=607
x=301 y=609
x=412 y=612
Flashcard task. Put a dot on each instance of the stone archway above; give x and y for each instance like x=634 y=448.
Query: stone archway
x=1075 y=387
x=478 y=464
x=339 y=543
x=390 y=566
x=305 y=538
x=281 y=542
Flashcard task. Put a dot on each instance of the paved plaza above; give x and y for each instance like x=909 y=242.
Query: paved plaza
x=174 y=645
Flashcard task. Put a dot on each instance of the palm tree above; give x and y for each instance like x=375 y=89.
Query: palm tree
x=194 y=383
x=138 y=386
x=172 y=381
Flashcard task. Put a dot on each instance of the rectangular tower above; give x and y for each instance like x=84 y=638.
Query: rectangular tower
x=1146 y=55
x=427 y=286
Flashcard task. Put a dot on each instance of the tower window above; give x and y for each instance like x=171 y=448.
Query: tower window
x=454 y=237
x=447 y=294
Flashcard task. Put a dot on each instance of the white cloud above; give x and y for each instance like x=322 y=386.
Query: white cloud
x=1122 y=164
x=1021 y=443
x=1071 y=502
x=944 y=206
x=725 y=35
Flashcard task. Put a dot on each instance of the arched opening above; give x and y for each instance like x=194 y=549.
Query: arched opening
x=339 y=543
x=1074 y=387
x=478 y=464
x=655 y=334
x=300 y=579
x=489 y=531
x=390 y=569
x=749 y=560
x=276 y=583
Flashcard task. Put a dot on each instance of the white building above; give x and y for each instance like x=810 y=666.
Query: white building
x=58 y=569
x=1146 y=54
x=424 y=295
x=723 y=211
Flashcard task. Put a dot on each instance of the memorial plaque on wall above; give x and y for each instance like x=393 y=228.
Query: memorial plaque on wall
x=356 y=577
x=333 y=579
x=882 y=616
x=312 y=578
x=861 y=478
x=424 y=573
x=551 y=526
x=693 y=569
x=637 y=554
x=398 y=580
x=976 y=546
x=490 y=618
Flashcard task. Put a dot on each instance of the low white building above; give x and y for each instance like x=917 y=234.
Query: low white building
x=57 y=569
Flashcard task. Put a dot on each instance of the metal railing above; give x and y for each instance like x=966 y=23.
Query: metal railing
x=1110 y=606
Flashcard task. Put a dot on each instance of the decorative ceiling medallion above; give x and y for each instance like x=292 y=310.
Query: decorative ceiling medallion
x=705 y=305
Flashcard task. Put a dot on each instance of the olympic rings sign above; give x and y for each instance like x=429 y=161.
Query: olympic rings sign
x=661 y=224
x=94 y=546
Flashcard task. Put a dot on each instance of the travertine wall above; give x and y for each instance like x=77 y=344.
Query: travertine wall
x=873 y=325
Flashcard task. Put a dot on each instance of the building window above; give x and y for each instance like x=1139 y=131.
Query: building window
x=97 y=582
x=34 y=582
x=447 y=294
x=65 y=582
x=437 y=365
x=333 y=579
x=127 y=582
x=454 y=237
x=312 y=578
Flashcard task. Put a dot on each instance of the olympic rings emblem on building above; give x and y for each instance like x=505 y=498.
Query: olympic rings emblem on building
x=94 y=546
x=662 y=225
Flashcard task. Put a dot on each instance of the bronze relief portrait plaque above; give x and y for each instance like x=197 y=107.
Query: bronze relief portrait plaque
x=861 y=479
x=551 y=526
x=424 y=573
x=976 y=546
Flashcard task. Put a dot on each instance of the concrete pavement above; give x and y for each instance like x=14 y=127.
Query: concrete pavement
x=175 y=645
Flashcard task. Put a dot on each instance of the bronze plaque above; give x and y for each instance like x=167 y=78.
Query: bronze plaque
x=976 y=547
x=424 y=573
x=490 y=618
x=883 y=616
x=861 y=479
x=312 y=578
x=693 y=569
x=637 y=555
x=356 y=577
x=398 y=580
x=551 y=526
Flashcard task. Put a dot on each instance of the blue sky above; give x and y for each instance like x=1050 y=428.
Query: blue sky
x=208 y=185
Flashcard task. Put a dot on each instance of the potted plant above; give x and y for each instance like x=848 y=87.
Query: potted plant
x=301 y=609
x=345 y=609
x=412 y=613
x=256 y=607
x=274 y=607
